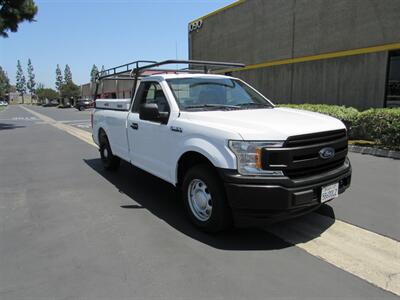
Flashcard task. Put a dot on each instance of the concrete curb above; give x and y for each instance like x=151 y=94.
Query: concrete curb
x=375 y=151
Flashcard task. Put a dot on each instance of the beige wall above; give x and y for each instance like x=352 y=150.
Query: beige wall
x=260 y=31
x=16 y=98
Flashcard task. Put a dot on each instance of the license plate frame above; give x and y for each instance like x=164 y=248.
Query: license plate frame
x=329 y=192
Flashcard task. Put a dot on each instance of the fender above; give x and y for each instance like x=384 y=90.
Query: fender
x=220 y=157
x=100 y=127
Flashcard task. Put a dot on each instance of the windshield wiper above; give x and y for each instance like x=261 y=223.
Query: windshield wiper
x=218 y=106
x=249 y=104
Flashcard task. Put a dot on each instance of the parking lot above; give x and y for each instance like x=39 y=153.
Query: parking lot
x=70 y=229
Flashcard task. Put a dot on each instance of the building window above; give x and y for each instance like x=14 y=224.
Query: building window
x=393 y=80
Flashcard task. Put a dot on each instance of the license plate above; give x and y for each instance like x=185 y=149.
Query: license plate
x=329 y=192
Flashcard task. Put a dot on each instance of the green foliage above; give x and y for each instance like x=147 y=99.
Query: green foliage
x=59 y=78
x=67 y=74
x=46 y=93
x=20 y=79
x=14 y=12
x=4 y=83
x=31 y=78
x=93 y=73
x=69 y=90
x=380 y=125
x=348 y=115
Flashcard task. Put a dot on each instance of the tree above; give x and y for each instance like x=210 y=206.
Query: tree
x=59 y=78
x=4 y=83
x=46 y=93
x=20 y=81
x=14 y=12
x=93 y=73
x=67 y=74
x=31 y=78
x=70 y=90
x=39 y=86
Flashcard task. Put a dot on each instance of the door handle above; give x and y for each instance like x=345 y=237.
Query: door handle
x=135 y=126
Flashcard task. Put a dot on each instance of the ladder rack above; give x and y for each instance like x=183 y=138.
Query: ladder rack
x=136 y=69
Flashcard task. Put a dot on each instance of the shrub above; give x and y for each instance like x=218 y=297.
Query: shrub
x=348 y=115
x=379 y=125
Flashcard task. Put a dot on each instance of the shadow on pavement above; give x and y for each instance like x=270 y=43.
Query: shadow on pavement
x=5 y=126
x=327 y=211
x=161 y=199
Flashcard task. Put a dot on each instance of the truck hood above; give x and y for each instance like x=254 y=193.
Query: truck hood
x=265 y=124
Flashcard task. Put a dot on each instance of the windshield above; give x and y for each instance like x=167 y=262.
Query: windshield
x=215 y=93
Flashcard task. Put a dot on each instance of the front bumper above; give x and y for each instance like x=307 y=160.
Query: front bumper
x=263 y=200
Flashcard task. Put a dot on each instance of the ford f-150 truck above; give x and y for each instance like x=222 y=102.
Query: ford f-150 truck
x=234 y=156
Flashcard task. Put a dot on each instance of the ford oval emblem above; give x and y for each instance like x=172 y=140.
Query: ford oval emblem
x=327 y=153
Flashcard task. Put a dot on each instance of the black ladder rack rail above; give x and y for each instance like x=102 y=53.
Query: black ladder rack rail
x=121 y=72
x=206 y=68
x=136 y=70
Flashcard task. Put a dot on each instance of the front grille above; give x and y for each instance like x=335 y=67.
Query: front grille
x=315 y=138
x=303 y=172
x=300 y=157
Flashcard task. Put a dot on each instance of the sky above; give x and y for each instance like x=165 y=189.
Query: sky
x=101 y=32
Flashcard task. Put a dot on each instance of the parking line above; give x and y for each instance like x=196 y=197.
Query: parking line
x=365 y=254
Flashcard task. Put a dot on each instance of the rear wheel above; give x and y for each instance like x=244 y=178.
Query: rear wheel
x=110 y=161
x=80 y=108
x=205 y=200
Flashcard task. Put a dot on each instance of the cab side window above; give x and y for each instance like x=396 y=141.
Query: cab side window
x=151 y=92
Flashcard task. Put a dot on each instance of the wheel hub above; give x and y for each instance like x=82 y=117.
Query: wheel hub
x=200 y=201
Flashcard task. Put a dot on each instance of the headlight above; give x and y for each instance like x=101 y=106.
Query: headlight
x=248 y=156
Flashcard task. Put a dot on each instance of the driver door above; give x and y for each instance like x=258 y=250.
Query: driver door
x=148 y=139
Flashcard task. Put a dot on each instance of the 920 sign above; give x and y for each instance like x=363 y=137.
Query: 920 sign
x=196 y=25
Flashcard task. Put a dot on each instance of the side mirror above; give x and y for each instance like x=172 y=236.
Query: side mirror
x=150 y=112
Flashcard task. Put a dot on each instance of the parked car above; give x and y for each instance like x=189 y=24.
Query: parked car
x=230 y=152
x=3 y=103
x=83 y=104
x=50 y=103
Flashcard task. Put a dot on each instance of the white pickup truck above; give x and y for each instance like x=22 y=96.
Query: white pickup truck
x=235 y=157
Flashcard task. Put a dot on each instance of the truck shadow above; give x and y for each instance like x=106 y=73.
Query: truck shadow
x=7 y=126
x=161 y=199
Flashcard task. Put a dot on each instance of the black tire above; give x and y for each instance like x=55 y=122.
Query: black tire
x=80 y=108
x=221 y=215
x=110 y=161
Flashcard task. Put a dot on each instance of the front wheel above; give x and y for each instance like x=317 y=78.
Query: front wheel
x=110 y=161
x=205 y=200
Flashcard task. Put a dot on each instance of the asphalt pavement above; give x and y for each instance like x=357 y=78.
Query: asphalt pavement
x=70 y=230
x=70 y=116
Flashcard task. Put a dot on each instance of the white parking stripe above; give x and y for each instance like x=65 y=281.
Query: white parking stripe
x=363 y=253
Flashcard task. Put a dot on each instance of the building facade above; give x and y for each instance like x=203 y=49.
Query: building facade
x=17 y=98
x=111 y=89
x=344 y=52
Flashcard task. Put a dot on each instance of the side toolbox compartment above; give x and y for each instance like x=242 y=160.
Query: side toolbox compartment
x=113 y=104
